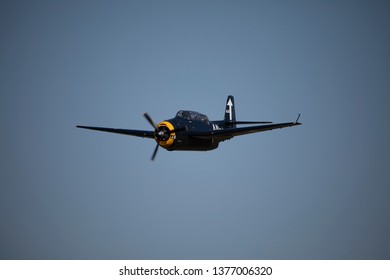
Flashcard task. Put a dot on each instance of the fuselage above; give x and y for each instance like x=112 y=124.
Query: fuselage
x=184 y=122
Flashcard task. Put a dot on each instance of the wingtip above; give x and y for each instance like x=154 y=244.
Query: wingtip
x=296 y=121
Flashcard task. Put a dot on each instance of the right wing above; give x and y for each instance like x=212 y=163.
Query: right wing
x=228 y=133
x=131 y=132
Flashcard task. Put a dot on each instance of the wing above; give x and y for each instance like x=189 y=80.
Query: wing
x=224 y=134
x=131 y=132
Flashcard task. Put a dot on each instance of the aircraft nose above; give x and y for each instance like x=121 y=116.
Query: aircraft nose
x=165 y=134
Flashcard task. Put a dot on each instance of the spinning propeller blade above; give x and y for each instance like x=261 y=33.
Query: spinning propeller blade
x=155 y=151
x=146 y=115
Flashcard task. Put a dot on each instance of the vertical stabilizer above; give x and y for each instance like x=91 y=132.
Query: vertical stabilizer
x=230 y=112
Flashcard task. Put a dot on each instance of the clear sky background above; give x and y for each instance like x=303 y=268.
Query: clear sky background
x=316 y=191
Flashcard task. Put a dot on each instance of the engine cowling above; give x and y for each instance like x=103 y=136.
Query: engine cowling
x=165 y=134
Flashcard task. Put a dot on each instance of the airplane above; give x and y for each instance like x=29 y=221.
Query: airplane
x=193 y=131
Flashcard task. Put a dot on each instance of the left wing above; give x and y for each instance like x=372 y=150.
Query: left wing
x=231 y=132
x=131 y=132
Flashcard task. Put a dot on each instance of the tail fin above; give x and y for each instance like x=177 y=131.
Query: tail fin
x=230 y=112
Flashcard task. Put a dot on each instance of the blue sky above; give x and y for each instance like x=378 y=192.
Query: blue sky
x=317 y=191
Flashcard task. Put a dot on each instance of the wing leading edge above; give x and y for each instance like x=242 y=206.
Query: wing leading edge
x=138 y=133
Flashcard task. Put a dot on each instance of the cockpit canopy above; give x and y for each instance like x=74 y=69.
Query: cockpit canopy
x=192 y=116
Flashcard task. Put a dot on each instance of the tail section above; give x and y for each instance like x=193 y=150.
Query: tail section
x=230 y=112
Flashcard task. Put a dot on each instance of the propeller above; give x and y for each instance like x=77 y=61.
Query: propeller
x=155 y=151
x=156 y=133
x=149 y=119
x=161 y=133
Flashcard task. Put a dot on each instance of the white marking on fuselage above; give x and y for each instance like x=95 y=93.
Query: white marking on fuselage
x=216 y=127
